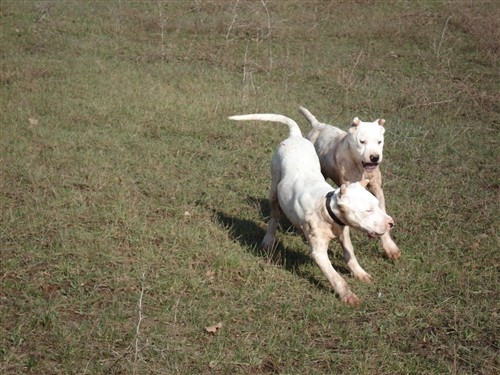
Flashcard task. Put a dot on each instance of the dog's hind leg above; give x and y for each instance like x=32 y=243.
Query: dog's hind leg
x=349 y=257
x=272 y=225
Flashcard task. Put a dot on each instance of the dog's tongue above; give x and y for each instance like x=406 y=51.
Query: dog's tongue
x=369 y=166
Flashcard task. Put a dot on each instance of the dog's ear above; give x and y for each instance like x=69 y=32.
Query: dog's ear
x=343 y=190
x=381 y=122
x=343 y=198
x=364 y=182
x=356 y=122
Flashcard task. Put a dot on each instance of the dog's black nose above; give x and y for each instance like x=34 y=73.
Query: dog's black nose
x=374 y=158
x=391 y=224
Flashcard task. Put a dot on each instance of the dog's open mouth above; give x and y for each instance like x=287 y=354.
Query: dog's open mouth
x=369 y=166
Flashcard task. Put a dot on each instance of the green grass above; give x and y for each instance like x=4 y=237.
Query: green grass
x=123 y=184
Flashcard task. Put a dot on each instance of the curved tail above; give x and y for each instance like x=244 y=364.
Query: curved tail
x=309 y=116
x=292 y=125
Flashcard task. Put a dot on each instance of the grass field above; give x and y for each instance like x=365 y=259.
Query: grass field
x=132 y=209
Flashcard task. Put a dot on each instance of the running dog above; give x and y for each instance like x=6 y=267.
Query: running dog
x=352 y=156
x=307 y=200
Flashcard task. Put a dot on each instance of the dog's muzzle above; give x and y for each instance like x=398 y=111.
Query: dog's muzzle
x=373 y=164
x=369 y=167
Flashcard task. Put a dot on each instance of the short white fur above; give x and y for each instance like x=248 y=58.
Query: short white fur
x=300 y=191
x=351 y=156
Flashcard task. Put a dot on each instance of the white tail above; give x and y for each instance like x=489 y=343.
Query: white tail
x=309 y=116
x=292 y=125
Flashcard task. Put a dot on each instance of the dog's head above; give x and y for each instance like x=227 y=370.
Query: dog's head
x=367 y=139
x=360 y=209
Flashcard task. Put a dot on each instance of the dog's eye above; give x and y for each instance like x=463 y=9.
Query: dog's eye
x=362 y=142
x=379 y=142
x=369 y=211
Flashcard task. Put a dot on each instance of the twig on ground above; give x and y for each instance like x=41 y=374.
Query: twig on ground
x=235 y=15
x=350 y=80
x=427 y=104
x=140 y=317
x=163 y=22
x=437 y=48
x=268 y=18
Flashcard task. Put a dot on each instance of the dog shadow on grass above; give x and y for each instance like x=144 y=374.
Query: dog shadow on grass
x=250 y=234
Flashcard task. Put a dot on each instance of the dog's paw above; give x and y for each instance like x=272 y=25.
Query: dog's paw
x=351 y=299
x=394 y=255
x=391 y=249
x=364 y=277
x=267 y=243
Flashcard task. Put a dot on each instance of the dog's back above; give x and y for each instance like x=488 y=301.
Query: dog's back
x=297 y=156
x=329 y=133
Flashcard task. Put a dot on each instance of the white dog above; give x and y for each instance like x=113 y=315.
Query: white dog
x=307 y=200
x=352 y=156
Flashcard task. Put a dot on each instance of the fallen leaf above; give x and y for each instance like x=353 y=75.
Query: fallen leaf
x=210 y=276
x=33 y=122
x=213 y=329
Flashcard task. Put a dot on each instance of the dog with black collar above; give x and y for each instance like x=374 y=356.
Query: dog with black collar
x=353 y=155
x=299 y=190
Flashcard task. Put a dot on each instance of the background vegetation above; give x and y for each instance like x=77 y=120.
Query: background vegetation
x=132 y=209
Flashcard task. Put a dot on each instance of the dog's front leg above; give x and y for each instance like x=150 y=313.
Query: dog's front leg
x=319 y=247
x=375 y=187
x=390 y=247
x=349 y=257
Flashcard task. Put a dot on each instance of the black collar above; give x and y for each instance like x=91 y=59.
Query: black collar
x=329 y=209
